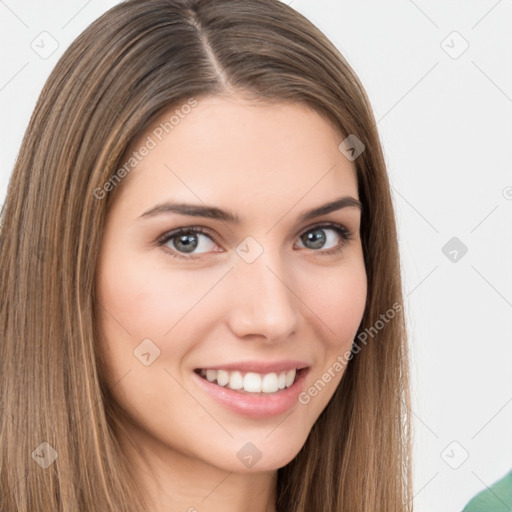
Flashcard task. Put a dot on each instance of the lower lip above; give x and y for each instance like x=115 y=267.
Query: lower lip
x=255 y=405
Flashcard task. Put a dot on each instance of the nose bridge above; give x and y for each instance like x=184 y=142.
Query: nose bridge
x=262 y=301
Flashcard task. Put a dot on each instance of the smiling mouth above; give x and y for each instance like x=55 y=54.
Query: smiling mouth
x=251 y=382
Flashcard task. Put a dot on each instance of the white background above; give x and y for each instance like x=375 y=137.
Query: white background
x=446 y=128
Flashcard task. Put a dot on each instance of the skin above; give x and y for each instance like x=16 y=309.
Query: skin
x=267 y=164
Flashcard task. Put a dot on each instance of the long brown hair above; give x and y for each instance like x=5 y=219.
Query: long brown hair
x=58 y=445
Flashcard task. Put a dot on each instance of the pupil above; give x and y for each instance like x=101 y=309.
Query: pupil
x=318 y=239
x=188 y=241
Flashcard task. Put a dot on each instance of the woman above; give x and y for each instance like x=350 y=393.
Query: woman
x=201 y=296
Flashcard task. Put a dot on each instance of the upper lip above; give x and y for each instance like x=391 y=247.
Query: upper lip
x=259 y=366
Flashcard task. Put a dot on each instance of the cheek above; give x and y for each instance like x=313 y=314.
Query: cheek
x=146 y=299
x=337 y=308
x=141 y=298
x=137 y=302
x=338 y=302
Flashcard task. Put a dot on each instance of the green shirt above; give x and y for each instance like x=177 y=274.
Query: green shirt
x=497 y=498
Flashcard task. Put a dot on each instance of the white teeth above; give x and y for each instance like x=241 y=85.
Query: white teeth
x=251 y=382
x=269 y=383
x=222 y=377
x=290 y=377
x=236 y=381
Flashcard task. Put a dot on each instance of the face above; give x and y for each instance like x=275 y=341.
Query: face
x=218 y=316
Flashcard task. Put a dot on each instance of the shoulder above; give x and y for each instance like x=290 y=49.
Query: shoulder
x=497 y=498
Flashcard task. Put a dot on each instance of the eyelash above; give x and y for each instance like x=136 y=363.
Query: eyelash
x=344 y=233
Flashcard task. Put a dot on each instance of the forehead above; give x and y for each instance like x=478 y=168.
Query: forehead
x=239 y=152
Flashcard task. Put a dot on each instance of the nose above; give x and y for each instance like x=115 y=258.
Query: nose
x=262 y=302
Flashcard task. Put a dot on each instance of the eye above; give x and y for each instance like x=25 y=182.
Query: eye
x=184 y=241
x=317 y=238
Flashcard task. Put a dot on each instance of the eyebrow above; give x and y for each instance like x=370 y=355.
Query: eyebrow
x=212 y=212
